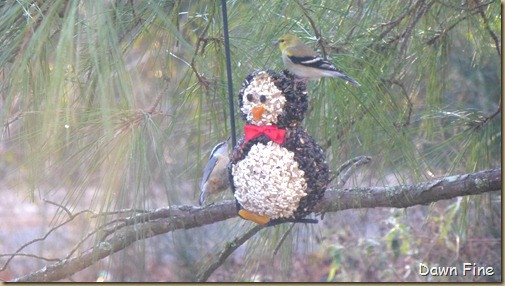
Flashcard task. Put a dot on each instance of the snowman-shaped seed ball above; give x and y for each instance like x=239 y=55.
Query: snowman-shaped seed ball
x=278 y=172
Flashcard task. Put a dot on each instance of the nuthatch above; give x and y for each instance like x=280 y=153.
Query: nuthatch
x=215 y=175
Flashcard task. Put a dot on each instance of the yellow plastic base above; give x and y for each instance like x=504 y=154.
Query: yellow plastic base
x=259 y=219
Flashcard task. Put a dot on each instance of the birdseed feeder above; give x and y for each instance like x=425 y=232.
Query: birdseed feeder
x=277 y=170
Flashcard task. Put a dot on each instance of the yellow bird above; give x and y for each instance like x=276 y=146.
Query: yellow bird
x=305 y=63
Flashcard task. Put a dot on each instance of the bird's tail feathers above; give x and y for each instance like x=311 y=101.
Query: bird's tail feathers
x=343 y=76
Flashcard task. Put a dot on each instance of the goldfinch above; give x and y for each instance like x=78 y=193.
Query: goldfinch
x=305 y=63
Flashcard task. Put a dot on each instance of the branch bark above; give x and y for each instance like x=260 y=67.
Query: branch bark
x=403 y=196
x=168 y=219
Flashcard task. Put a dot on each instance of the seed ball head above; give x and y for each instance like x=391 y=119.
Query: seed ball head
x=295 y=94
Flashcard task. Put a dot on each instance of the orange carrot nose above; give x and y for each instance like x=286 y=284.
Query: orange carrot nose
x=257 y=111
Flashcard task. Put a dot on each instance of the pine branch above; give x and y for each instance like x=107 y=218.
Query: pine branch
x=403 y=196
x=168 y=219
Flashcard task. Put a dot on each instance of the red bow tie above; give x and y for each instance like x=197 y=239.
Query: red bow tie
x=272 y=132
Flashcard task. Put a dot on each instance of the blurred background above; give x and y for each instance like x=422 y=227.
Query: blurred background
x=115 y=105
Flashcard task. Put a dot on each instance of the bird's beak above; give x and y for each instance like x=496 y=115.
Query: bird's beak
x=275 y=44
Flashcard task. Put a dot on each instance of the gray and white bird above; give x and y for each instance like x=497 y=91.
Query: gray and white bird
x=215 y=174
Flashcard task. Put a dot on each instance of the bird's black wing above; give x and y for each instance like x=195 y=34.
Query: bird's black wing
x=314 y=62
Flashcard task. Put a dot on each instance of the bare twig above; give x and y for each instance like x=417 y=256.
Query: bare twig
x=444 y=32
x=495 y=113
x=473 y=10
x=283 y=238
x=10 y=121
x=351 y=165
x=316 y=30
x=422 y=9
x=227 y=251
x=30 y=255
x=356 y=163
x=409 y=104
x=72 y=217
x=201 y=39
x=491 y=33
x=120 y=212
x=90 y=234
x=484 y=120
x=392 y=24
x=155 y=104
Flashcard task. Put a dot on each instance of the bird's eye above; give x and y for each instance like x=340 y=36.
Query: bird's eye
x=263 y=98
x=281 y=41
x=249 y=97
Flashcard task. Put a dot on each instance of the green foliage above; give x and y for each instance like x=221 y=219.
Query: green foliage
x=112 y=105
